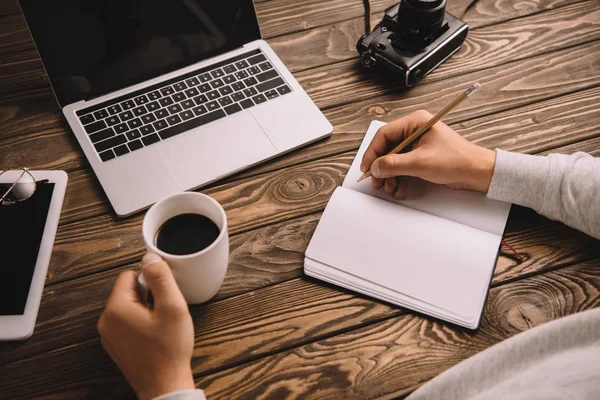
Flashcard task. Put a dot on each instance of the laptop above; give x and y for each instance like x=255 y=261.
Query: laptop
x=169 y=95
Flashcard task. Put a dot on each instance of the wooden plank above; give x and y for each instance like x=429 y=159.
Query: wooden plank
x=591 y=146
x=86 y=371
x=299 y=190
x=272 y=255
x=399 y=354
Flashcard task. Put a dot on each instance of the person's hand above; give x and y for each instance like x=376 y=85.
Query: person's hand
x=152 y=347
x=440 y=156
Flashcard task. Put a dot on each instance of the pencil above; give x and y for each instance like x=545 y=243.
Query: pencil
x=419 y=132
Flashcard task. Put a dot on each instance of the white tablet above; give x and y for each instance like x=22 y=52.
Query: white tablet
x=27 y=231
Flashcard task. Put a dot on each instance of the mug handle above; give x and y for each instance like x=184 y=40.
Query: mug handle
x=143 y=291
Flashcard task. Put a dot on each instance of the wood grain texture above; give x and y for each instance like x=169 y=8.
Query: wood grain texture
x=404 y=351
x=262 y=259
x=300 y=190
x=385 y=349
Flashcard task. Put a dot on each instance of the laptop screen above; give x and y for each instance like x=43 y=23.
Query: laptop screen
x=93 y=47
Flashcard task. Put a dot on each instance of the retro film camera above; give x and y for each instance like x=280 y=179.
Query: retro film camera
x=414 y=37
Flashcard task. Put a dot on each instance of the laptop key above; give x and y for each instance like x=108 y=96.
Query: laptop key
x=254 y=70
x=133 y=134
x=186 y=115
x=241 y=75
x=135 y=145
x=95 y=126
x=229 y=68
x=167 y=91
x=200 y=110
x=153 y=106
x=213 y=95
x=110 y=143
x=150 y=139
x=217 y=73
x=265 y=66
x=121 y=128
x=100 y=114
x=200 y=99
x=139 y=111
x=250 y=81
x=285 y=89
x=146 y=130
x=141 y=100
x=265 y=76
x=259 y=99
x=271 y=94
x=161 y=114
x=217 y=83
x=232 y=109
x=102 y=135
x=86 y=119
x=154 y=95
x=192 y=82
x=226 y=90
x=160 y=124
x=204 y=78
x=178 y=97
x=250 y=92
x=241 y=64
x=193 y=92
x=174 y=109
x=229 y=79
x=212 y=106
x=247 y=103
x=225 y=101
x=146 y=119
x=272 y=84
x=257 y=59
x=166 y=101
x=113 y=120
x=121 y=150
x=192 y=123
x=204 y=88
x=114 y=109
x=135 y=123
x=107 y=155
x=238 y=86
x=126 y=115
x=179 y=86
x=173 y=119
x=237 y=96
x=128 y=104
x=187 y=104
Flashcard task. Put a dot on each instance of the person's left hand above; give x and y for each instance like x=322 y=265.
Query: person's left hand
x=152 y=347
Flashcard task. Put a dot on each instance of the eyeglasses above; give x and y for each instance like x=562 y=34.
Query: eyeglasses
x=22 y=189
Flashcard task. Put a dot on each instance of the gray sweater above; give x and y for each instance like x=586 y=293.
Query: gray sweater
x=558 y=360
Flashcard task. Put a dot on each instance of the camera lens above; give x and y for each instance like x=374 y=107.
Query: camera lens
x=421 y=17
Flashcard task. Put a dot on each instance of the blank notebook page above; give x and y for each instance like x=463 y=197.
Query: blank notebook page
x=432 y=259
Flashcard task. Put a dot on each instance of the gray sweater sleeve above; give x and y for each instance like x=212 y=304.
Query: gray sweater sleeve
x=183 y=395
x=561 y=187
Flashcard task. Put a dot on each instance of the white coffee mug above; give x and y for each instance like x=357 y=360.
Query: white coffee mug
x=199 y=275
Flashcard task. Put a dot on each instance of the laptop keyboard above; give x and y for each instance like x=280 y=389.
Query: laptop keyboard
x=131 y=122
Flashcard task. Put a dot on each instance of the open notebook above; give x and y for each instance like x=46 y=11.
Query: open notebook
x=434 y=252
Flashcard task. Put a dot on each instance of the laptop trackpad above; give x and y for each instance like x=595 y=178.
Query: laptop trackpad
x=208 y=152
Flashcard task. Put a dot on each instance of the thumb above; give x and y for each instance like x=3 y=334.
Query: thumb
x=393 y=165
x=161 y=283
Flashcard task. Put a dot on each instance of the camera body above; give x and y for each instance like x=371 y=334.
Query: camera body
x=414 y=37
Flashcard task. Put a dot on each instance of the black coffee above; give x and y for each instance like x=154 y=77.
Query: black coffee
x=186 y=234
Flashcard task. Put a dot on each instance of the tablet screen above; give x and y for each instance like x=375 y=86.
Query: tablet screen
x=21 y=230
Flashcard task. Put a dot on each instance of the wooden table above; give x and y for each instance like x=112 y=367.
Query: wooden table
x=271 y=332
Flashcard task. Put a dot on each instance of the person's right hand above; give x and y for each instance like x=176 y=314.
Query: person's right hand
x=152 y=346
x=440 y=156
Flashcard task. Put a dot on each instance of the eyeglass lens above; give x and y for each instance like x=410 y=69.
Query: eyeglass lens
x=22 y=190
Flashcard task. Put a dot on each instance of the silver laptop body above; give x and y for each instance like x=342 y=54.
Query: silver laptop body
x=190 y=126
